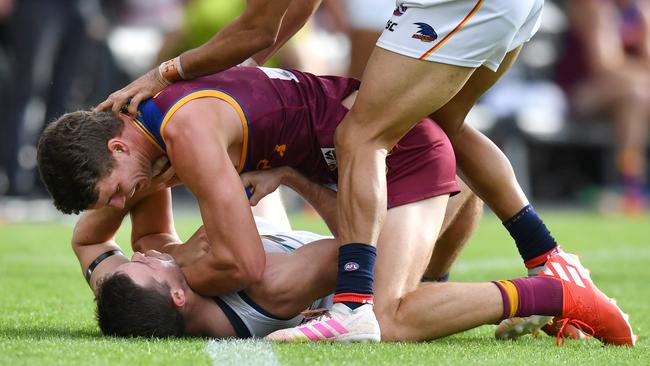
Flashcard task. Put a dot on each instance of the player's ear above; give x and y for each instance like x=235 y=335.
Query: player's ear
x=178 y=296
x=117 y=145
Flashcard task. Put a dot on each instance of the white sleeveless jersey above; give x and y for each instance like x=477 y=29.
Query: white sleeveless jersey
x=250 y=319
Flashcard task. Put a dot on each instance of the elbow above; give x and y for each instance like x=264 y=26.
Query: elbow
x=137 y=247
x=262 y=32
x=251 y=273
x=264 y=38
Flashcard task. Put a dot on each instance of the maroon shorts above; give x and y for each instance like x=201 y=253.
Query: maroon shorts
x=421 y=165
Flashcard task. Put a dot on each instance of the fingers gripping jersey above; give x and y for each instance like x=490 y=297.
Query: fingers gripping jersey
x=248 y=318
x=289 y=118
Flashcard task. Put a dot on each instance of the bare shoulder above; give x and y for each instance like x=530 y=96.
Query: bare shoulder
x=202 y=120
x=201 y=115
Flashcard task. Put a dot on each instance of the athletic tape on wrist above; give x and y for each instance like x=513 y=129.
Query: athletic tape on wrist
x=179 y=67
x=98 y=260
x=169 y=72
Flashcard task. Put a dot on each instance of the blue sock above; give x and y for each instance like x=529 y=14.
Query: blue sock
x=533 y=238
x=443 y=278
x=354 y=284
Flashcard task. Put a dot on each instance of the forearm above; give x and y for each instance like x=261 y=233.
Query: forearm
x=94 y=235
x=282 y=292
x=212 y=276
x=232 y=45
x=321 y=198
x=297 y=15
x=158 y=241
x=87 y=253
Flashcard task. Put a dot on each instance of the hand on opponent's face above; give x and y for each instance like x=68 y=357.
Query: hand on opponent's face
x=192 y=250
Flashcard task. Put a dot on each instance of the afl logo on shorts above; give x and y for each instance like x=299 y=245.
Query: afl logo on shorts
x=351 y=266
x=426 y=33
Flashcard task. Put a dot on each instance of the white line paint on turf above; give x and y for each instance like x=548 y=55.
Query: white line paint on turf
x=627 y=253
x=238 y=352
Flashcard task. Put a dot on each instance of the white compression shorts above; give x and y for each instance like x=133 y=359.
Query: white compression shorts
x=248 y=318
x=469 y=33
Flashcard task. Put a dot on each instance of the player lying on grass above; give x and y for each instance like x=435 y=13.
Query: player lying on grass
x=246 y=119
x=152 y=287
x=149 y=296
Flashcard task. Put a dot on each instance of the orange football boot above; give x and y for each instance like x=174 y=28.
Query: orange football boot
x=585 y=306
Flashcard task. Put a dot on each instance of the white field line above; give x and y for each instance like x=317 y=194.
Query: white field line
x=239 y=352
x=615 y=253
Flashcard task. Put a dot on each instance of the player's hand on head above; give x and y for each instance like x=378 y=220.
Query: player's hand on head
x=146 y=86
x=263 y=182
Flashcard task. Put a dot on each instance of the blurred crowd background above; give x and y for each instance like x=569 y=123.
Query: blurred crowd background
x=572 y=115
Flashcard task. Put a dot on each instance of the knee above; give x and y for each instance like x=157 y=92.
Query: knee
x=344 y=136
x=390 y=328
x=365 y=131
x=452 y=123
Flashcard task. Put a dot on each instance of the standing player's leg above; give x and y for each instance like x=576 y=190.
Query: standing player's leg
x=488 y=171
x=461 y=220
x=363 y=140
x=398 y=88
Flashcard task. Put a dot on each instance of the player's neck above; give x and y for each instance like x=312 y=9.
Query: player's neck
x=205 y=318
x=144 y=146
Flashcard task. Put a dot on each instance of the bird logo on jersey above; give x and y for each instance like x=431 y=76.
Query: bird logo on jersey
x=426 y=33
x=399 y=10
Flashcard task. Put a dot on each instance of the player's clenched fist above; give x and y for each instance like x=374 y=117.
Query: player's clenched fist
x=264 y=182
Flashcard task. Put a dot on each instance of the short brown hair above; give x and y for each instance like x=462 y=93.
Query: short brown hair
x=125 y=309
x=73 y=156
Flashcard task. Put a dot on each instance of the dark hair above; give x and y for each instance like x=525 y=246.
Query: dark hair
x=73 y=155
x=127 y=310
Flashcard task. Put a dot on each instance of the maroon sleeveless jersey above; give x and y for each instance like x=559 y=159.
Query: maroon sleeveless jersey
x=289 y=118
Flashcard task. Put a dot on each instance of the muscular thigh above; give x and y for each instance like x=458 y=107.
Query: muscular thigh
x=452 y=115
x=404 y=248
x=397 y=91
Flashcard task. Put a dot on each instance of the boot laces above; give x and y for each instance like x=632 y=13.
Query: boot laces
x=578 y=324
x=315 y=315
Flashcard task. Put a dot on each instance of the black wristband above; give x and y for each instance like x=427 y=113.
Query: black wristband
x=100 y=259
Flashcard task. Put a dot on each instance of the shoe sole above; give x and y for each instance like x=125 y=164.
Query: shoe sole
x=528 y=325
x=359 y=338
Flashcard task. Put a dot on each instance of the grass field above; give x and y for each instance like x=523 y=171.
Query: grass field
x=46 y=309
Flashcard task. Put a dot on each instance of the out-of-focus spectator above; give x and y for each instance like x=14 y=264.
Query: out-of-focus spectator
x=46 y=40
x=363 y=21
x=606 y=70
x=60 y=61
x=6 y=7
x=142 y=23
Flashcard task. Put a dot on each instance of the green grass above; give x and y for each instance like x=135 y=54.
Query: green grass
x=46 y=309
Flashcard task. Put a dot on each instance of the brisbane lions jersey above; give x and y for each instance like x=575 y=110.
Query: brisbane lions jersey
x=289 y=118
